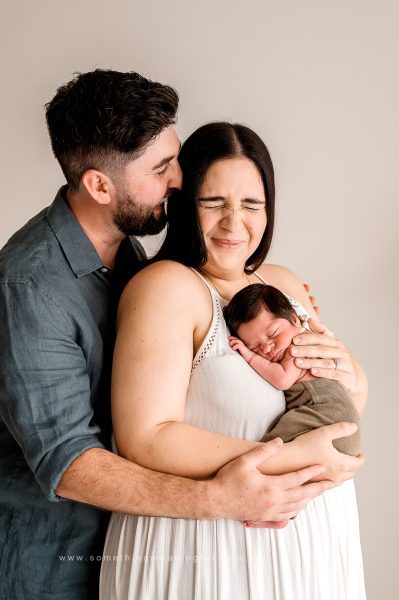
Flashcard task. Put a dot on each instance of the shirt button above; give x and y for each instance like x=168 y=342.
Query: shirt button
x=104 y=270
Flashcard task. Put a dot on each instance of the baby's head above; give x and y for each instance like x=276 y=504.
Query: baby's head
x=263 y=318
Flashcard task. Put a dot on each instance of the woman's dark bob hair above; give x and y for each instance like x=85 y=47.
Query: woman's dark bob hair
x=212 y=142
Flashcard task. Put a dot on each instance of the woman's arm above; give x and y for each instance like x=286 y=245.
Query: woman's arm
x=161 y=310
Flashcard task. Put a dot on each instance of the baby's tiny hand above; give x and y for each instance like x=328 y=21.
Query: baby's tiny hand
x=239 y=346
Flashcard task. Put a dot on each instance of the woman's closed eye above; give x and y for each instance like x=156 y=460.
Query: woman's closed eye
x=253 y=207
x=250 y=206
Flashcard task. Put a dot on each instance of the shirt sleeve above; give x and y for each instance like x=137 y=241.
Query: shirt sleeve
x=44 y=385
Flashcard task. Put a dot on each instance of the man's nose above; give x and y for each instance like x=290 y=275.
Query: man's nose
x=176 y=178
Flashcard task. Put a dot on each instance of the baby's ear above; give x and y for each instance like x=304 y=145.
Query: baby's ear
x=296 y=320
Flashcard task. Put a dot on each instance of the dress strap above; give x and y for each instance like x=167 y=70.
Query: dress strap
x=217 y=328
x=208 y=284
x=261 y=278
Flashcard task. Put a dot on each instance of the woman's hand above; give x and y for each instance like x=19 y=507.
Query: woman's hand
x=327 y=357
x=241 y=491
x=318 y=443
x=339 y=466
x=316 y=446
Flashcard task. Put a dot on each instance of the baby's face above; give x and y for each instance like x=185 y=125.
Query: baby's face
x=268 y=335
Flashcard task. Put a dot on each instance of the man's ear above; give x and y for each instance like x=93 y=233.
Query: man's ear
x=98 y=185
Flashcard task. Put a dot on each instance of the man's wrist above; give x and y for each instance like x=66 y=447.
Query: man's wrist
x=210 y=508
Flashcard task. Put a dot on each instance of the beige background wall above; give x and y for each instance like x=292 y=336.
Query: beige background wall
x=319 y=81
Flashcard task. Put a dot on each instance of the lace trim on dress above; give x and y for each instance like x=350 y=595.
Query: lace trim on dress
x=214 y=328
x=211 y=336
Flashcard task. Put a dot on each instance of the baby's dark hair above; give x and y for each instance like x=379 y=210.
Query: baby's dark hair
x=248 y=303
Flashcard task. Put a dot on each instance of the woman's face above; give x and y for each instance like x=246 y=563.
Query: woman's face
x=232 y=213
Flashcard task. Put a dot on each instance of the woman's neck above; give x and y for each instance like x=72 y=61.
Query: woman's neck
x=229 y=285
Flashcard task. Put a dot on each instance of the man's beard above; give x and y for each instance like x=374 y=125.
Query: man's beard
x=132 y=218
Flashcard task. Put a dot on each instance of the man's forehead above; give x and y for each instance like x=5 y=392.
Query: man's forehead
x=167 y=141
x=165 y=145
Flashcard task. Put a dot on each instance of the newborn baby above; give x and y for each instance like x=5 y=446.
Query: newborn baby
x=262 y=323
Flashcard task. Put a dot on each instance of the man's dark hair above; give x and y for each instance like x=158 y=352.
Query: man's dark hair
x=248 y=303
x=212 y=142
x=104 y=119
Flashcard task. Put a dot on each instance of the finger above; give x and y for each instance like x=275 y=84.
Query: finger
x=297 y=478
x=307 y=287
x=352 y=463
x=317 y=339
x=260 y=454
x=345 y=378
x=267 y=524
x=338 y=430
x=318 y=351
x=325 y=364
x=302 y=494
x=319 y=327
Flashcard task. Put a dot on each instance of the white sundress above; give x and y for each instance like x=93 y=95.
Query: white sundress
x=316 y=557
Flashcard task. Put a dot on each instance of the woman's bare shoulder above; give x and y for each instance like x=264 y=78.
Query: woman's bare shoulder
x=287 y=281
x=167 y=281
x=278 y=275
x=164 y=273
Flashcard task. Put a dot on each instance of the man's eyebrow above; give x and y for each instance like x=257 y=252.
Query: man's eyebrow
x=166 y=160
x=163 y=162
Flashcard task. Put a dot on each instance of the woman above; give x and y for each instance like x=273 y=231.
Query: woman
x=185 y=403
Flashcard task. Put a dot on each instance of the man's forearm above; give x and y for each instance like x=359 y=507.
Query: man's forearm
x=239 y=490
x=103 y=479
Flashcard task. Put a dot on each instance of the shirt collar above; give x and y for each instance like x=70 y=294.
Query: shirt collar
x=78 y=249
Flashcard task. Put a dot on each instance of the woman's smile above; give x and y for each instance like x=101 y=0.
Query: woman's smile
x=226 y=243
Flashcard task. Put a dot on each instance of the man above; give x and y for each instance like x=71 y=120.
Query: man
x=61 y=277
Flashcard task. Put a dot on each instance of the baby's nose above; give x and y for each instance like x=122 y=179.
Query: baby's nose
x=268 y=347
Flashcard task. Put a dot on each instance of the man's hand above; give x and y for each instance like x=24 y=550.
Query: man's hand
x=239 y=346
x=240 y=491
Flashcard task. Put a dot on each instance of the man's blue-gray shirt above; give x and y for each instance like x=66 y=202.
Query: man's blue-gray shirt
x=57 y=311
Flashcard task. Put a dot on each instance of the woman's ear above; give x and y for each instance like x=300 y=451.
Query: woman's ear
x=98 y=185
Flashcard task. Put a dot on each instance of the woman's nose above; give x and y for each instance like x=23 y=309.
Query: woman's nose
x=232 y=219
